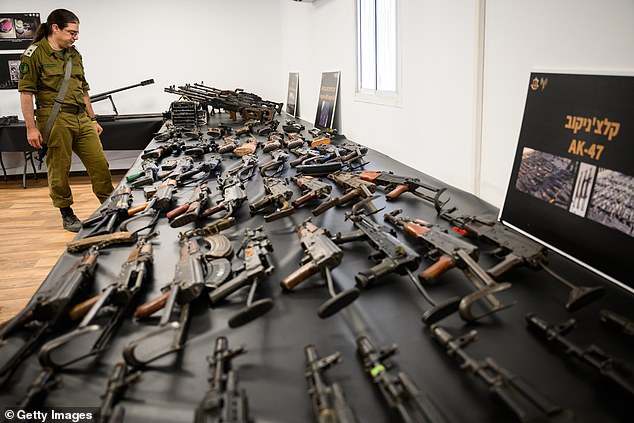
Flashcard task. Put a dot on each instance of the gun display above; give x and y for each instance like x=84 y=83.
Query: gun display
x=105 y=220
x=119 y=295
x=191 y=210
x=399 y=391
x=448 y=252
x=322 y=255
x=354 y=188
x=311 y=188
x=397 y=185
x=46 y=313
x=274 y=166
x=618 y=322
x=519 y=397
x=514 y=249
x=614 y=371
x=277 y=193
x=233 y=195
x=255 y=251
x=205 y=168
x=223 y=401
x=395 y=257
x=192 y=275
x=329 y=403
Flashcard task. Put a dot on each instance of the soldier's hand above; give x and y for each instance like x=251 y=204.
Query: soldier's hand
x=34 y=138
x=98 y=128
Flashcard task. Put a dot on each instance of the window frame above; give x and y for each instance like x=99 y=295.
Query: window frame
x=375 y=96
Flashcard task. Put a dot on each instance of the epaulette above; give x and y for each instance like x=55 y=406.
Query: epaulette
x=29 y=51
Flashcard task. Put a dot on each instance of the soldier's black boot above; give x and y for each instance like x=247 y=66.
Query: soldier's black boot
x=69 y=220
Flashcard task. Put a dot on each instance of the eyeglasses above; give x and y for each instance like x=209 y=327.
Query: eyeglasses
x=71 y=33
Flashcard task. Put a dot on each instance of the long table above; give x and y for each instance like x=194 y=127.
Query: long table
x=272 y=371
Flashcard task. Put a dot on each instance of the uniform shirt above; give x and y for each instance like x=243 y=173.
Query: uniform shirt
x=42 y=73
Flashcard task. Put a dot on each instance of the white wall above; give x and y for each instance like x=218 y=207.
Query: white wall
x=225 y=43
x=582 y=36
x=438 y=60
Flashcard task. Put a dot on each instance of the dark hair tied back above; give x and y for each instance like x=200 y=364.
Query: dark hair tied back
x=61 y=17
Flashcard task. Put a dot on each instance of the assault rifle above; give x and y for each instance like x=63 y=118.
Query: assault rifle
x=169 y=148
x=276 y=164
x=255 y=250
x=395 y=257
x=174 y=167
x=106 y=219
x=246 y=169
x=192 y=275
x=514 y=249
x=201 y=148
x=618 y=322
x=614 y=371
x=46 y=313
x=354 y=187
x=329 y=403
x=397 y=185
x=204 y=169
x=223 y=401
x=311 y=188
x=520 y=398
x=278 y=193
x=233 y=195
x=448 y=252
x=322 y=255
x=333 y=158
x=191 y=210
x=119 y=295
x=248 y=147
x=120 y=378
x=399 y=391
x=146 y=176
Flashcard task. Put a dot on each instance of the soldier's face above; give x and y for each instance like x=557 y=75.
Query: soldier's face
x=67 y=36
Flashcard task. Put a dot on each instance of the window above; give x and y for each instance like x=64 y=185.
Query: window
x=377 y=55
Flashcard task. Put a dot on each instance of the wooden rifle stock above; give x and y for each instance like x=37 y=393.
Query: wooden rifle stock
x=299 y=275
x=151 y=307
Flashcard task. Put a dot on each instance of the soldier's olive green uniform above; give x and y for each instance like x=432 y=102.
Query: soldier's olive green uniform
x=42 y=73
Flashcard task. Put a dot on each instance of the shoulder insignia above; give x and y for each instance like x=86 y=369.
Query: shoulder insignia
x=29 y=51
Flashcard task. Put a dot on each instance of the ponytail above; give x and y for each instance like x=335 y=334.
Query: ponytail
x=61 y=17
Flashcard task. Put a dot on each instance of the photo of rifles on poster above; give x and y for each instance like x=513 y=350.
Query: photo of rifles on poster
x=327 y=100
x=293 y=89
x=572 y=184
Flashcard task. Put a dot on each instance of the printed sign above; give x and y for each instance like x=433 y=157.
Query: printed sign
x=327 y=100
x=572 y=183
x=293 y=91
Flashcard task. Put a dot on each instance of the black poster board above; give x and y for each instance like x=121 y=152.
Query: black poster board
x=327 y=100
x=17 y=30
x=9 y=71
x=293 y=91
x=572 y=182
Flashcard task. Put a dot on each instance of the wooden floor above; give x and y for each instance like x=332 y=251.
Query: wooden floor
x=32 y=237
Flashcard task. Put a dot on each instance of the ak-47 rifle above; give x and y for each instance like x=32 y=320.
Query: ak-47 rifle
x=616 y=372
x=274 y=166
x=173 y=147
x=174 y=167
x=302 y=153
x=399 y=391
x=448 y=252
x=204 y=169
x=354 y=188
x=246 y=169
x=333 y=158
x=397 y=185
x=246 y=148
x=191 y=210
x=119 y=295
x=278 y=193
x=193 y=273
x=322 y=255
x=514 y=249
x=255 y=250
x=223 y=401
x=311 y=188
x=395 y=257
x=233 y=195
x=146 y=176
x=106 y=219
x=329 y=403
x=120 y=378
x=617 y=322
x=520 y=398
x=46 y=313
